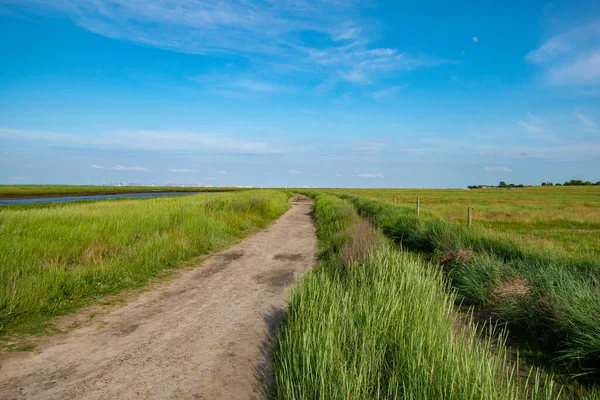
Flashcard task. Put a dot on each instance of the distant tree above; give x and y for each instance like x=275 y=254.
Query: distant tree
x=543 y=183
x=597 y=183
x=502 y=184
x=558 y=184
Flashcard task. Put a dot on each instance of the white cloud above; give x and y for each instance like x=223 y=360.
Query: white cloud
x=344 y=99
x=534 y=118
x=475 y=39
x=533 y=128
x=587 y=121
x=261 y=86
x=370 y=175
x=497 y=169
x=293 y=171
x=337 y=174
x=347 y=31
x=277 y=31
x=149 y=140
x=369 y=149
x=572 y=57
x=181 y=170
x=530 y=127
x=122 y=168
x=222 y=172
x=388 y=92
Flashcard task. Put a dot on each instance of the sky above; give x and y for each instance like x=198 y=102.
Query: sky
x=324 y=93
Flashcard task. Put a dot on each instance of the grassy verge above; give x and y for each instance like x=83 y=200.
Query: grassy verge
x=371 y=323
x=549 y=302
x=55 y=259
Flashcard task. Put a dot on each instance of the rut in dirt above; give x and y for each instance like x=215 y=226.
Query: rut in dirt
x=202 y=335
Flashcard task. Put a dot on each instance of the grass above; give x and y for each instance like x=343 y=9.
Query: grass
x=15 y=191
x=55 y=259
x=563 y=220
x=382 y=324
x=549 y=301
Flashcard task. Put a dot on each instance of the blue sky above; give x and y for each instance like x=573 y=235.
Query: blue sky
x=327 y=93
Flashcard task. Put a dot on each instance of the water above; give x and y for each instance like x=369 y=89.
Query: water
x=66 y=199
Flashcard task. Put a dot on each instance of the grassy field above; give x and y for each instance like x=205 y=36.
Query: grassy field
x=20 y=191
x=559 y=219
x=373 y=323
x=54 y=259
x=548 y=300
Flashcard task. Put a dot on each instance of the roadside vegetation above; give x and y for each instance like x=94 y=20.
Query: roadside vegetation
x=549 y=302
x=374 y=322
x=55 y=259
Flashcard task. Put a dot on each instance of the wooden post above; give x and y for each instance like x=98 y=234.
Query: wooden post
x=418 y=206
x=378 y=198
x=395 y=199
x=470 y=216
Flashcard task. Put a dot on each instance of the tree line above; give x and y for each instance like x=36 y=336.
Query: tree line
x=502 y=184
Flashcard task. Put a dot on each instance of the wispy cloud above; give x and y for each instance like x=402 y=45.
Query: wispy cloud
x=181 y=170
x=279 y=31
x=571 y=57
x=122 y=168
x=261 y=86
x=530 y=127
x=387 y=92
x=497 y=169
x=293 y=171
x=222 y=172
x=587 y=121
x=148 y=140
x=370 y=175
x=337 y=174
x=533 y=126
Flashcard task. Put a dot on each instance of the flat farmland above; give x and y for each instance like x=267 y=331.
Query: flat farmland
x=562 y=219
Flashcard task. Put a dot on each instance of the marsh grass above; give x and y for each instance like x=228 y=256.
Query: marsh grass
x=384 y=326
x=55 y=259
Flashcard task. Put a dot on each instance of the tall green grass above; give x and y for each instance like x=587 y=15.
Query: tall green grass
x=384 y=326
x=55 y=259
x=550 y=302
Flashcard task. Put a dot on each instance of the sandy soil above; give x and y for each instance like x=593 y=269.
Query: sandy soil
x=203 y=335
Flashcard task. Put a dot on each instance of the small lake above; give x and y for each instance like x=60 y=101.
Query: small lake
x=66 y=199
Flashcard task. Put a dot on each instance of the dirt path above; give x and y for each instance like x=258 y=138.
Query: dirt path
x=200 y=335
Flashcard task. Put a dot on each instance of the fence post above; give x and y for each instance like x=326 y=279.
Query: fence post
x=470 y=216
x=418 y=206
x=395 y=199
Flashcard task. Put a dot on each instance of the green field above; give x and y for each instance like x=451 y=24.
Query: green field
x=55 y=259
x=559 y=219
x=22 y=191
